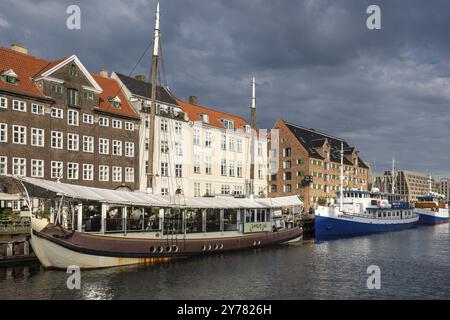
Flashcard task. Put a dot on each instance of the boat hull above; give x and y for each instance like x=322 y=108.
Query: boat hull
x=427 y=217
x=328 y=227
x=59 y=249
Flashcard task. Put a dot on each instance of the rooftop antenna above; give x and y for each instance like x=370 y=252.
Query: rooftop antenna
x=151 y=138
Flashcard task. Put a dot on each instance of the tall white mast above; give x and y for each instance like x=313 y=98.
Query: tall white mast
x=393 y=175
x=156 y=33
x=341 y=195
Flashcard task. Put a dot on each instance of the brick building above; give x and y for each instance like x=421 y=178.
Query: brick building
x=58 y=121
x=306 y=162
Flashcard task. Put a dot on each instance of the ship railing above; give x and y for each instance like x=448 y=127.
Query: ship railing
x=119 y=225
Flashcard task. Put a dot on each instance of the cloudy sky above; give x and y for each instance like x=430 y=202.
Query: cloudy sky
x=386 y=91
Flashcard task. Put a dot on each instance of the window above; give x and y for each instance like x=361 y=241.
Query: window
x=223 y=142
x=208 y=187
x=208 y=139
x=88 y=144
x=19 y=134
x=115 y=102
x=88 y=118
x=103 y=173
x=163 y=125
x=72 y=171
x=19 y=167
x=57 y=89
x=287 y=176
x=129 y=149
x=231 y=168
x=103 y=146
x=72 y=97
x=287 y=152
x=117 y=174
x=37 y=168
x=228 y=123
x=196 y=189
x=260 y=171
x=205 y=117
x=57 y=140
x=88 y=95
x=117 y=124
x=117 y=147
x=104 y=122
x=273 y=188
x=164 y=146
x=179 y=170
x=129 y=174
x=287 y=164
x=73 y=142
x=37 y=137
x=196 y=137
x=300 y=161
x=88 y=172
x=3 y=102
x=57 y=169
x=260 y=149
x=37 y=109
x=238 y=190
x=3 y=132
x=231 y=144
x=73 y=72
x=164 y=169
x=208 y=165
x=239 y=169
x=178 y=128
x=72 y=117
x=3 y=165
x=287 y=188
x=239 y=145
x=19 y=106
x=196 y=163
x=225 y=189
x=57 y=113
x=164 y=191
x=223 y=167
x=129 y=126
x=179 y=149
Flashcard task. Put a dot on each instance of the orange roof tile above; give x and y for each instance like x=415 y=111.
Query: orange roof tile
x=26 y=67
x=112 y=89
x=195 y=111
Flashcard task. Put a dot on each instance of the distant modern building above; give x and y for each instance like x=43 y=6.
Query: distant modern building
x=407 y=183
x=198 y=151
x=444 y=188
x=60 y=122
x=306 y=162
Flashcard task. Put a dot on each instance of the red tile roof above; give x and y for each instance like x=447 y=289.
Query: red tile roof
x=195 y=111
x=26 y=67
x=111 y=89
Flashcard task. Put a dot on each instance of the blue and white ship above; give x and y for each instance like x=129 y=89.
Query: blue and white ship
x=362 y=212
x=432 y=209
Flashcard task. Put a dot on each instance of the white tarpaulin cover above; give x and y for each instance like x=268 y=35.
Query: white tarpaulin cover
x=36 y=186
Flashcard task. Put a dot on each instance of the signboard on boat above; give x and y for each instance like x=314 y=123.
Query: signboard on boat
x=254 y=227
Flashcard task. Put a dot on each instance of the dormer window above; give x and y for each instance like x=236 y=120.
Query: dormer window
x=73 y=72
x=205 y=117
x=115 y=102
x=228 y=123
x=10 y=77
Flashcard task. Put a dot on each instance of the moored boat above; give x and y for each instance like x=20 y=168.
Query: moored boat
x=432 y=209
x=98 y=228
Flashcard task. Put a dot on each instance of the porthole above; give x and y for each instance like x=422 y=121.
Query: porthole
x=203 y=247
x=169 y=249
x=175 y=248
x=254 y=243
x=152 y=249
x=160 y=249
x=209 y=247
x=216 y=247
x=259 y=242
x=221 y=246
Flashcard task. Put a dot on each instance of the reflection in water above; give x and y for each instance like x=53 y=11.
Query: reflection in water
x=413 y=264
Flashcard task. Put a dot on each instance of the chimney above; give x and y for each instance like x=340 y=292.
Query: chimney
x=140 y=77
x=103 y=73
x=193 y=99
x=19 y=48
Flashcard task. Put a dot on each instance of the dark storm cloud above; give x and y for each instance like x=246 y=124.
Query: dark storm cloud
x=316 y=63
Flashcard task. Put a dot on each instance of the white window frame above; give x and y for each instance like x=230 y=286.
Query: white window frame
x=73 y=117
x=59 y=136
x=129 y=149
x=3 y=165
x=196 y=140
x=57 y=169
x=3 y=132
x=23 y=162
x=88 y=172
x=3 y=102
x=103 y=146
x=19 y=105
x=88 y=118
x=37 y=164
x=103 y=122
x=88 y=144
x=37 y=109
x=129 y=126
x=178 y=127
x=117 y=148
x=164 y=169
x=116 y=124
x=57 y=113
x=117 y=174
x=73 y=171
x=37 y=137
x=129 y=174
x=23 y=135
x=74 y=139
x=103 y=173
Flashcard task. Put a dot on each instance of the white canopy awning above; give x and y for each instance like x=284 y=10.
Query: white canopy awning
x=40 y=188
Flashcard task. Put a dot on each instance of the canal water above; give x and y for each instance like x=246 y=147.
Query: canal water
x=414 y=264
